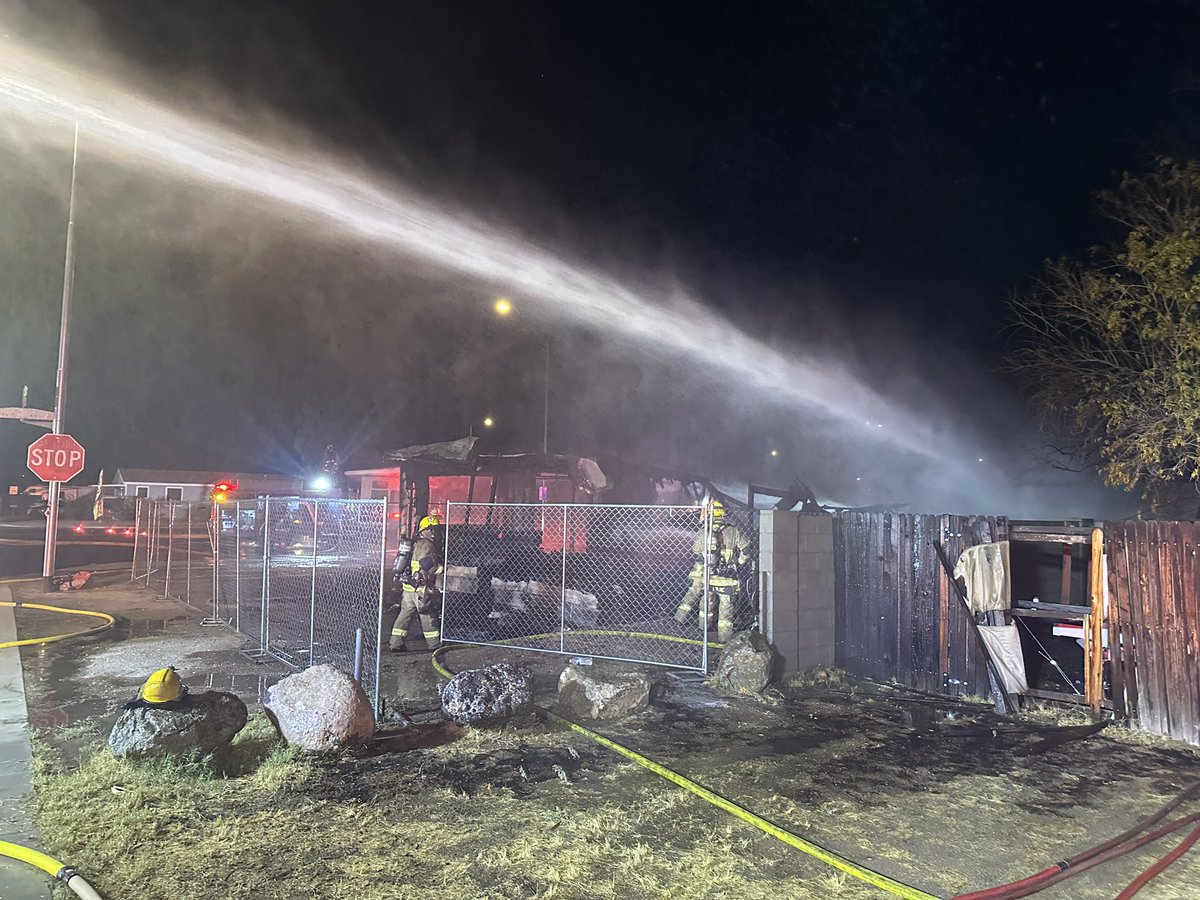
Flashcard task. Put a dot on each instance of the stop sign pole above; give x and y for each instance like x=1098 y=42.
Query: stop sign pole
x=60 y=381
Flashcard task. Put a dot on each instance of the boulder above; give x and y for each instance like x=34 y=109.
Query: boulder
x=746 y=663
x=202 y=723
x=487 y=695
x=596 y=692
x=321 y=709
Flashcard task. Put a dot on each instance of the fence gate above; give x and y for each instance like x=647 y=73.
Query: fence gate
x=587 y=580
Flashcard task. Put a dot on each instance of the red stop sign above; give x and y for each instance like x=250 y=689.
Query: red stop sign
x=55 y=457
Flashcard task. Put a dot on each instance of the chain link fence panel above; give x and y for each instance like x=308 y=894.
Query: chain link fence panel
x=172 y=550
x=630 y=583
x=303 y=580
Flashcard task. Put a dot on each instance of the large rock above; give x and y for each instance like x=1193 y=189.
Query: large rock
x=321 y=709
x=595 y=692
x=488 y=695
x=204 y=723
x=746 y=663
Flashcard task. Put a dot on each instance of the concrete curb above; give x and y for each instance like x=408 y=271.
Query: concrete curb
x=16 y=767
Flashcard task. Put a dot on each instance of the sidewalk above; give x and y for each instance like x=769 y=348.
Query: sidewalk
x=17 y=880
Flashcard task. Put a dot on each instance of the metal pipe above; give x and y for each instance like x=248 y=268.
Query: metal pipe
x=312 y=600
x=137 y=530
x=562 y=623
x=358 y=655
x=60 y=382
x=170 y=546
x=264 y=619
x=379 y=606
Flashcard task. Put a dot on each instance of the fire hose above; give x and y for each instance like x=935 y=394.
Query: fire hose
x=848 y=866
x=64 y=873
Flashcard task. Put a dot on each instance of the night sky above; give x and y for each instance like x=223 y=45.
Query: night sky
x=873 y=179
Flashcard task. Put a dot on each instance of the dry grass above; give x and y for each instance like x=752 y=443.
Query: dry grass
x=268 y=822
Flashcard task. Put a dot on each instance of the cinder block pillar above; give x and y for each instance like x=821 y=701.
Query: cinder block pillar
x=796 y=557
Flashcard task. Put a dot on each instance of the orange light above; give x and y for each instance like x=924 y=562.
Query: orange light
x=219 y=497
x=78 y=529
x=395 y=515
x=128 y=532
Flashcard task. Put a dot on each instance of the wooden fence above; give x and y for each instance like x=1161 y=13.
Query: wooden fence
x=1154 y=616
x=898 y=616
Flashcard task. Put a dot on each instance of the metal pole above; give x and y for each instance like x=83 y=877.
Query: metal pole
x=170 y=546
x=705 y=599
x=546 y=406
x=188 y=558
x=237 y=565
x=137 y=530
x=264 y=620
x=312 y=600
x=379 y=605
x=562 y=620
x=60 y=383
x=358 y=655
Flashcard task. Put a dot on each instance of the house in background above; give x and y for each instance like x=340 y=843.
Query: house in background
x=180 y=484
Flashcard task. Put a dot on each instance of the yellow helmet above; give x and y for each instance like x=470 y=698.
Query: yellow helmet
x=430 y=521
x=718 y=510
x=163 y=686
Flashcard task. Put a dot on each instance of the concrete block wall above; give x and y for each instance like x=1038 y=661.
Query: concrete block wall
x=796 y=557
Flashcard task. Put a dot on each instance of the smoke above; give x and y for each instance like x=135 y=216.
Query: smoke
x=731 y=392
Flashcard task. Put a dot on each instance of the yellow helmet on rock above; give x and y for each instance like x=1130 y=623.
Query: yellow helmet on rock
x=163 y=686
x=430 y=521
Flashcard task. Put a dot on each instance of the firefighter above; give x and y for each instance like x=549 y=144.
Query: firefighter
x=727 y=551
x=417 y=579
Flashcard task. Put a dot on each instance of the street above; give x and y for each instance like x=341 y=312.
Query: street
x=21 y=548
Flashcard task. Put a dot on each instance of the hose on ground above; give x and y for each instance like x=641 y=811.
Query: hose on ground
x=1159 y=867
x=107 y=620
x=51 y=866
x=848 y=866
x=1125 y=842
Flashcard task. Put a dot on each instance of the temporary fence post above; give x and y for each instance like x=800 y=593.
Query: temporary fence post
x=707 y=508
x=237 y=565
x=188 y=557
x=137 y=527
x=379 y=605
x=170 y=546
x=312 y=600
x=562 y=594
x=264 y=622
x=216 y=567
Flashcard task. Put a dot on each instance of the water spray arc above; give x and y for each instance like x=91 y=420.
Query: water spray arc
x=130 y=128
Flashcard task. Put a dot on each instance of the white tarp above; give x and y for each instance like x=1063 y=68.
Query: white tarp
x=985 y=569
x=1004 y=647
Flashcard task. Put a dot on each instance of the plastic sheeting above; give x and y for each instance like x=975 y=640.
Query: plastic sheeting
x=1004 y=646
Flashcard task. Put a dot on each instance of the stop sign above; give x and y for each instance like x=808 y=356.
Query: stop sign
x=55 y=457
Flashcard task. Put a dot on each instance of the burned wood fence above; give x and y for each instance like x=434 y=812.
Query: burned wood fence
x=898 y=617
x=1154 y=617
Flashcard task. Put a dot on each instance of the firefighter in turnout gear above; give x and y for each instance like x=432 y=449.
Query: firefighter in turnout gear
x=727 y=552
x=417 y=580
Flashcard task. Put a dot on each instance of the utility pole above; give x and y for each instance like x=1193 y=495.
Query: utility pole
x=546 y=407
x=60 y=381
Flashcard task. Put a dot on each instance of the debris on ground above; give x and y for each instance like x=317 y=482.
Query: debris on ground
x=321 y=709
x=199 y=724
x=74 y=582
x=599 y=692
x=746 y=664
x=488 y=695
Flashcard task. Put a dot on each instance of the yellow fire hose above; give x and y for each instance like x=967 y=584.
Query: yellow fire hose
x=848 y=866
x=36 y=858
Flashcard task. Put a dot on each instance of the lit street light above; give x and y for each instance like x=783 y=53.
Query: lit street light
x=774 y=453
x=488 y=422
x=503 y=306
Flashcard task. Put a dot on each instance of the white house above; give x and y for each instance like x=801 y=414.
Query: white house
x=179 y=484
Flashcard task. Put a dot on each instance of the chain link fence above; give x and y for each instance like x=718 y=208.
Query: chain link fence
x=173 y=551
x=303 y=579
x=631 y=583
